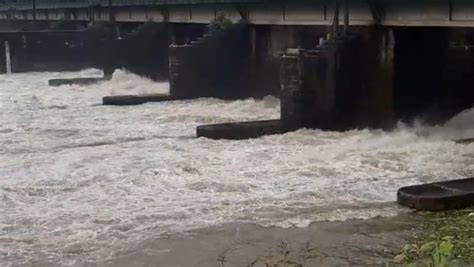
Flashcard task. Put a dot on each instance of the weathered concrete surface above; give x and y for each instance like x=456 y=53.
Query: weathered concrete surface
x=454 y=13
x=77 y=81
x=214 y=65
x=350 y=243
x=47 y=51
x=128 y=100
x=240 y=130
x=456 y=194
x=375 y=107
x=55 y=46
x=320 y=86
x=144 y=50
x=3 y=66
x=465 y=141
x=192 y=71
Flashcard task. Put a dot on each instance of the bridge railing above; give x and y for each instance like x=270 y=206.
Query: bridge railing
x=58 y=4
x=16 y=4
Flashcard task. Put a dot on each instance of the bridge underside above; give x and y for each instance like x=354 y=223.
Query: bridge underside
x=317 y=12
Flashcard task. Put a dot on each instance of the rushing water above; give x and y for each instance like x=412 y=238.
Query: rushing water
x=81 y=182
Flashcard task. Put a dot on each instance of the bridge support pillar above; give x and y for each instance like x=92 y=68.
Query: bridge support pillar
x=319 y=86
x=376 y=100
x=144 y=50
x=3 y=58
x=344 y=83
x=457 y=93
x=192 y=71
x=213 y=66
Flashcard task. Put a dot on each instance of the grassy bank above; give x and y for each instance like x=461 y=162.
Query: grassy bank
x=446 y=239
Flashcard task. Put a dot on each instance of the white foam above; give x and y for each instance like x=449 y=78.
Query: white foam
x=84 y=182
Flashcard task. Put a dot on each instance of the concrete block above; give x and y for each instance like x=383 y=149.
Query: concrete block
x=240 y=130
x=128 y=100
x=464 y=141
x=77 y=81
x=456 y=194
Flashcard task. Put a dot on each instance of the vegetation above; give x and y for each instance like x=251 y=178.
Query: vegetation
x=447 y=240
x=219 y=25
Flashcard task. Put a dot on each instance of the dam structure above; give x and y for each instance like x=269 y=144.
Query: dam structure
x=334 y=64
x=109 y=111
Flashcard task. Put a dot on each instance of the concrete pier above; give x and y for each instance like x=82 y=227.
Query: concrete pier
x=3 y=58
x=373 y=77
x=76 y=81
x=131 y=100
x=319 y=86
x=144 y=50
x=240 y=130
x=213 y=66
x=394 y=61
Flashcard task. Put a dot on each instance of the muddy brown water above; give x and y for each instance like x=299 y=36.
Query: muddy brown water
x=350 y=243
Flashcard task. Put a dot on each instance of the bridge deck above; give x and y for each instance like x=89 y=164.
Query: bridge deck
x=53 y=4
x=283 y=12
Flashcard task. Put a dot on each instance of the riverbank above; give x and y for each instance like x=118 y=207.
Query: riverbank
x=348 y=243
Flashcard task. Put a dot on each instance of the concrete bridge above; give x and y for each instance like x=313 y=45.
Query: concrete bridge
x=391 y=60
x=458 y=13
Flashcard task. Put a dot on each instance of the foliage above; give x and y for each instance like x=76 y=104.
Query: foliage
x=219 y=25
x=448 y=240
x=429 y=254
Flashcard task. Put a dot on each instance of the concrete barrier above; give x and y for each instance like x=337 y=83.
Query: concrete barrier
x=128 y=100
x=240 y=130
x=464 y=141
x=456 y=194
x=77 y=81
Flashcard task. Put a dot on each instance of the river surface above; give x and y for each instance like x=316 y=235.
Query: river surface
x=81 y=182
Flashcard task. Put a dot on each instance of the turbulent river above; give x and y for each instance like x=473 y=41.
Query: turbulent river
x=81 y=182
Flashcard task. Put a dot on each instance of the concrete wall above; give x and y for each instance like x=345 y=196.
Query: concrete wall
x=457 y=92
x=291 y=12
x=270 y=42
x=345 y=83
x=247 y=61
x=145 y=50
x=375 y=105
x=52 y=51
x=3 y=68
x=385 y=76
x=192 y=71
x=218 y=66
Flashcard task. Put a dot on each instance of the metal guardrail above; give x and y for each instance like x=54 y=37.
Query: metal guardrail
x=56 y=4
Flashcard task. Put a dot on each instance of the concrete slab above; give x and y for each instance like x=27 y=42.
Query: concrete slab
x=455 y=194
x=128 y=100
x=78 y=81
x=240 y=130
x=464 y=141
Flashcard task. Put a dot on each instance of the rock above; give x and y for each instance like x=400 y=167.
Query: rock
x=78 y=81
x=127 y=100
x=240 y=130
x=456 y=194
